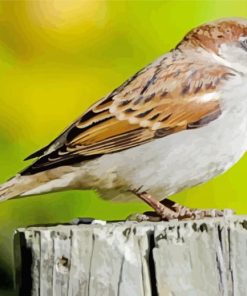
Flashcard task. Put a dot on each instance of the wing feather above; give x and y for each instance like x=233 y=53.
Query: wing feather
x=174 y=93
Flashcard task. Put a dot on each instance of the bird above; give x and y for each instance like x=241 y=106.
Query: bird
x=178 y=122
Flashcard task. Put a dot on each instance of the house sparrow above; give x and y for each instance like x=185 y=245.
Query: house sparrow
x=176 y=123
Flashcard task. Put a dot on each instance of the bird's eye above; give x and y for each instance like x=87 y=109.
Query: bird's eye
x=243 y=43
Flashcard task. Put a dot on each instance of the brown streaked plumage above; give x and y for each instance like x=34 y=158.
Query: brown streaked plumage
x=164 y=96
x=211 y=36
x=176 y=123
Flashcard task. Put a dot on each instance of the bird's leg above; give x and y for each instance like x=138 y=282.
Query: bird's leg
x=169 y=210
x=162 y=212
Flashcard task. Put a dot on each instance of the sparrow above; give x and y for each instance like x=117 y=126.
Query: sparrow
x=178 y=122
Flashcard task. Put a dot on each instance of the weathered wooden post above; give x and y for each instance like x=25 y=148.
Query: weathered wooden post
x=202 y=258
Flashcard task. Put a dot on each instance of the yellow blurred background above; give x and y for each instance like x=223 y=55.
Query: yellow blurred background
x=59 y=56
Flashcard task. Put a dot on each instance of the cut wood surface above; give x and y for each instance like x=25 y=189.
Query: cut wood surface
x=187 y=258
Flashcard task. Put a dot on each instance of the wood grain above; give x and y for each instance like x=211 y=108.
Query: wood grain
x=206 y=257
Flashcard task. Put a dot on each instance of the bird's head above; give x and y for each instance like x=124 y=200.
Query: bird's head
x=225 y=38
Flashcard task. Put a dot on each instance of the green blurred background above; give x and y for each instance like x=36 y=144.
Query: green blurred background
x=57 y=57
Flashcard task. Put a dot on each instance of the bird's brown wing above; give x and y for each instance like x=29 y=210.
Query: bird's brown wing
x=170 y=95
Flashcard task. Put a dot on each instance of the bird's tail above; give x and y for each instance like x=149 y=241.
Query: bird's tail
x=43 y=182
x=17 y=186
x=13 y=188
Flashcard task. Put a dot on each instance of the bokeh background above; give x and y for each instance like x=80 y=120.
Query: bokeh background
x=57 y=57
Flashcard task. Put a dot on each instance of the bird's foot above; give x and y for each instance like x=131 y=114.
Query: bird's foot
x=167 y=210
x=183 y=213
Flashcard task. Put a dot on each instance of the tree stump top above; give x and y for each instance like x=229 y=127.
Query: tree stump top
x=204 y=257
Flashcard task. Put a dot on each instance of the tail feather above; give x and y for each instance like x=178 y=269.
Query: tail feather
x=4 y=193
x=44 y=182
x=16 y=186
